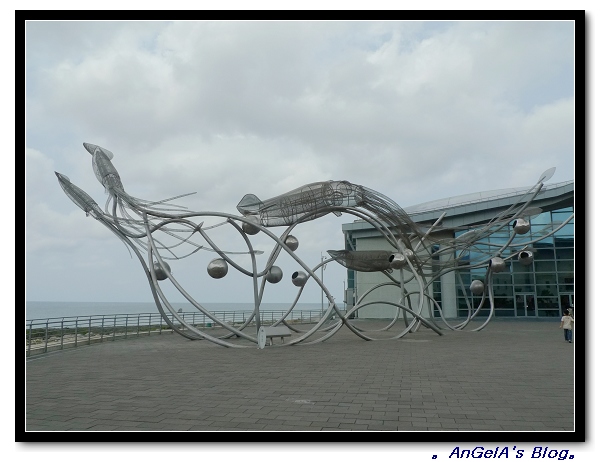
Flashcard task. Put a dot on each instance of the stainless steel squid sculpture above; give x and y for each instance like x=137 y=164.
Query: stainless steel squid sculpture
x=163 y=231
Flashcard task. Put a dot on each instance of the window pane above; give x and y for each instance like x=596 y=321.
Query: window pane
x=539 y=231
x=565 y=210
x=565 y=266
x=547 y=266
x=564 y=241
x=504 y=302
x=565 y=282
x=565 y=231
x=549 y=312
x=523 y=282
x=502 y=285
x=546 y=290
x=561 y=216
x=565 y=254
x=543 y=252
x=547 y=303
x=565 y=302
x=504 y=313
x=541 y=219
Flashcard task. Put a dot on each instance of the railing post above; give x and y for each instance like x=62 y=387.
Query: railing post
x=138 y=326
x=76 y=325
x=90 y=332
x=62 y=335
x=102 y=331
x=172 y=322
x=160 y=325
x=126 y=323
x=46 y=340
x=149 y=323
x=114 y=326
x=29 y=339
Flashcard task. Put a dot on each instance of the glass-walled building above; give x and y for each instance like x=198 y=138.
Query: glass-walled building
x=543 y=288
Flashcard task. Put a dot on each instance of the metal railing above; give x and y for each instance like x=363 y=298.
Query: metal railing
x=49 y=334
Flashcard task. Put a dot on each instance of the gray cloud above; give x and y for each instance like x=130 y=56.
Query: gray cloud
x=416 y=110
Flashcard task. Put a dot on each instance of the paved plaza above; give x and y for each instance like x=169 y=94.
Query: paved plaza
x=513 y=375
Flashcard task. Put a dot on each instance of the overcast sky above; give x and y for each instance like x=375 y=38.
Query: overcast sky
x=418 y=111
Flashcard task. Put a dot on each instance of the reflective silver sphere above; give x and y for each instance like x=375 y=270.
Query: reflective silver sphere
x=217 y=268
x=497 y=264
x=161 y=274
x=397 y=260
x=521 y=226
x=274 y=275
x=476 y=287
x=251 y=229
x=526 y=257
x=299 y=278
x=291 y=242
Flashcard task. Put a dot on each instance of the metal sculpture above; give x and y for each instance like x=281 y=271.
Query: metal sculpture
x=164 y=232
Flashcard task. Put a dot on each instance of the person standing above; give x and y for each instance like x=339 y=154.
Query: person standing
x=566 y=323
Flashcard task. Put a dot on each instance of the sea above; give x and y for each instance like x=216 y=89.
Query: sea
x=45 y=310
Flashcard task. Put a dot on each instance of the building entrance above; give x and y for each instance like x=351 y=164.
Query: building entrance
x=526 y=305
x=567 y=300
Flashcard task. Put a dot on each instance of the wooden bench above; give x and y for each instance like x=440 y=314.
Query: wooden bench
x=276 y=331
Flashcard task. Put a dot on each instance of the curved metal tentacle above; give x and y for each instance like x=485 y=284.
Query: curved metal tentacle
x=152 y=248
x=161 y=227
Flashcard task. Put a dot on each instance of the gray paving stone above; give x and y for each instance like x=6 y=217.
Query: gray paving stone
x=383 y=428
x=102 y=427
x=341 y=419
x=146 y=384
x=368 y=422
x=353 y=426
x=248 y=426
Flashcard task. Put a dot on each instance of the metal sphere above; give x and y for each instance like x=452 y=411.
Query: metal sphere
x=274 y=275
x=217 y=268
x=291 y=242
x=497 y=264
x=299 y=278
x=521 y=226
x=249 y=228
x=526 y=257
x=161 y=274
x=476 y=287
x=397 y=260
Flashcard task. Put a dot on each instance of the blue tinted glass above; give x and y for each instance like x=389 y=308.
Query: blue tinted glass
x=542 y=230
x=566 y=209
x=564 y=242
x=541 y=219
x=561 y=216
x=543 y=253
x=565 y=254
x=567 y=230
x=499 y=238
